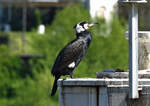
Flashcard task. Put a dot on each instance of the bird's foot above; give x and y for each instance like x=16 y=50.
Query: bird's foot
x=64 y=78
x=71 y=76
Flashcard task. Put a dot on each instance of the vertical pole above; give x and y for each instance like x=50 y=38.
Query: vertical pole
x=133 y=52
x=24 y=25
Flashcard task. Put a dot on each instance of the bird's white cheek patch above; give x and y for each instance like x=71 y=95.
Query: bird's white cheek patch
x=79 y=28
x=86 y=26
x=71 y=65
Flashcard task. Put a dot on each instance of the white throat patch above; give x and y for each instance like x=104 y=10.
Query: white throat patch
x=79 y=28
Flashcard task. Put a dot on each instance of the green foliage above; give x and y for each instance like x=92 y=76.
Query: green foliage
x=4 y=50
x=107 y=50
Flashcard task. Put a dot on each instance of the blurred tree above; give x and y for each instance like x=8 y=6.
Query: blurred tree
x=108 y=50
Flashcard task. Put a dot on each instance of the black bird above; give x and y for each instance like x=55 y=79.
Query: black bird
x=71 y=55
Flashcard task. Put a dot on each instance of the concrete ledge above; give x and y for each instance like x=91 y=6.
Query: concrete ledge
x=132 y=1
x=101 y=92
x=141 y=74
x=100 y=82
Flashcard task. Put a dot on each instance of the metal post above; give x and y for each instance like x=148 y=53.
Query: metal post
x=133 y=51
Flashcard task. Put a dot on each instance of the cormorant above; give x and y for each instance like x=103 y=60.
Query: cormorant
x=71 y=55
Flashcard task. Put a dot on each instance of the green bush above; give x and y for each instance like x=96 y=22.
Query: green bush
x=107 y=50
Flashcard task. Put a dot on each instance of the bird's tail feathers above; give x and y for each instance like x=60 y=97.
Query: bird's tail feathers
x=54 y=89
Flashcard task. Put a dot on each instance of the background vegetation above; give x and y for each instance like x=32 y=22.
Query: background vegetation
x=29 y=82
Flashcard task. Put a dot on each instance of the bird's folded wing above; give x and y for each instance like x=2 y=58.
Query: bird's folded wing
x=69 y=54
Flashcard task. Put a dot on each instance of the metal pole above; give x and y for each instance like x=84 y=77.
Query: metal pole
x=133 y=52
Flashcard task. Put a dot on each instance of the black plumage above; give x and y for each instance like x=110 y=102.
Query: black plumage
x=71 y=55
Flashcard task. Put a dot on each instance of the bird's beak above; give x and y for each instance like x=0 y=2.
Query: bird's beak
x=92 y=24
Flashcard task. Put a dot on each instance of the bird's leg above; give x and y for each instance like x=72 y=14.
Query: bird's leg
x=71 y=75
x=64 y=78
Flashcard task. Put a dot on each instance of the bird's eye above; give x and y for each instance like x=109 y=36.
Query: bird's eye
x=86 y=26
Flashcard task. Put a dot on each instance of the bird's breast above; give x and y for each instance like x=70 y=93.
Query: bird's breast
x=88 y=40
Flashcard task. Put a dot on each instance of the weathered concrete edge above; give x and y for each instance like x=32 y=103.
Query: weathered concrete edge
x=132 y=1
x=122 y=75
x=100 y=82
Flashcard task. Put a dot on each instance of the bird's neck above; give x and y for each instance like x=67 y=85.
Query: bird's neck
x=86 y=37
x=83 y=34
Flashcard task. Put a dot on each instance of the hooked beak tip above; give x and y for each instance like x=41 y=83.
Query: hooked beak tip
x=92 y=24
x=96 y=23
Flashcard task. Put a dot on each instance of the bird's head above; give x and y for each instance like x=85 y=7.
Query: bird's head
x=83 y=26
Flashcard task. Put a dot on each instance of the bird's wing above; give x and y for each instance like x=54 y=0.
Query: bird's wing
x=69 y=54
